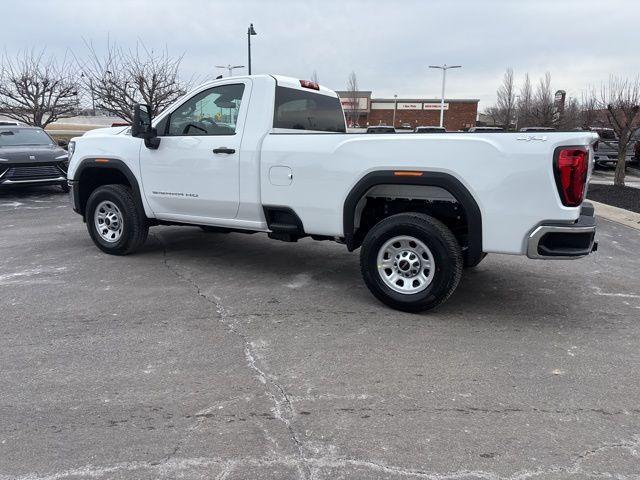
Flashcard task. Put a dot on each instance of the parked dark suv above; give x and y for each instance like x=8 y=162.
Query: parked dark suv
x=29 y=156
x=381 y=129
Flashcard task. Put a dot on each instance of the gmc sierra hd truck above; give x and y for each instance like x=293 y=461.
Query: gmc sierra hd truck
x=271 y=154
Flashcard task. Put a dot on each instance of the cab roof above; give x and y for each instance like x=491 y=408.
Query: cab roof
x=291 y=82
x=281 y=80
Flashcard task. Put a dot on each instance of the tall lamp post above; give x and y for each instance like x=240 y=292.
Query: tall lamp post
x=250 y=31
x=395 y=107
x=230 y=67
x=93 y=98
x=444 y=69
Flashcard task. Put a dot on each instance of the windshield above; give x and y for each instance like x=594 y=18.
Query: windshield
x=24 y=136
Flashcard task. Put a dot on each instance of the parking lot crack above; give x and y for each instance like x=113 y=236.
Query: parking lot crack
x=283 y=409
x=322 y=466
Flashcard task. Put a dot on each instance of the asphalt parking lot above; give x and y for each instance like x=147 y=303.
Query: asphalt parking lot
x=234 y=356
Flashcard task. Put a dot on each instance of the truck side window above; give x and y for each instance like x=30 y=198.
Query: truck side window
x=211 y=112
x=302 y=110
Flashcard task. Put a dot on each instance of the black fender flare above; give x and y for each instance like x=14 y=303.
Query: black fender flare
x=434 y=179
x=79 y=201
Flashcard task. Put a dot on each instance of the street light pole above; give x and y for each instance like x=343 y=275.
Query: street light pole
x=93 y=98
x=395 y=107
x=250 y=31
x=444 y=69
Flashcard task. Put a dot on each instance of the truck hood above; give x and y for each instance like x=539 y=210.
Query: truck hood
x=32 y=154
x=105 y=131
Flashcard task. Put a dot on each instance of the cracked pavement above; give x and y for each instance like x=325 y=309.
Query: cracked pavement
x=235 y=356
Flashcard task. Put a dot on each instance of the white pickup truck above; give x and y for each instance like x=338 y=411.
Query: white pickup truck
x=271 y=154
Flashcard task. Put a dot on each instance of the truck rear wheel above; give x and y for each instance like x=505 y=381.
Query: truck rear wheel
x=115 y=223
x=411 y=262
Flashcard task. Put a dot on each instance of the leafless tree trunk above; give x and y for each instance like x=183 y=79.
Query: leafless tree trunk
x=36 y=89
x=525 y=103
x=589 y=116
x=352 y=93
x=543 y=103
x=621 y=98
x=120 y=78
x=506 y=100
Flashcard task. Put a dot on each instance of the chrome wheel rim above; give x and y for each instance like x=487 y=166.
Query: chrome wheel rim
x=406 y=265
x=108 y=221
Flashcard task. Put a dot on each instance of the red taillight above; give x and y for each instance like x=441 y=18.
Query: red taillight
x=309 y=84
x=570 y=168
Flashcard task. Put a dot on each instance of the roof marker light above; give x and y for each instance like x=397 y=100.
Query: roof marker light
x=309 y=84
x=407 y=174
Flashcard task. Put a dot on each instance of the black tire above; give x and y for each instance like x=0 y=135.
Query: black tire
x=134 y=223
x=443 y=245
x=65 y=187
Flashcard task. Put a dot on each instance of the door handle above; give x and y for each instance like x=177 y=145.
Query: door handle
x=224 y=150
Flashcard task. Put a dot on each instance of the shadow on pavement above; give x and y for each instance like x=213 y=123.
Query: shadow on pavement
x=497 y=288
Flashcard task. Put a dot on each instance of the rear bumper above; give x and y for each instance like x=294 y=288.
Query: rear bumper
x=563 y=242
x=610 y=159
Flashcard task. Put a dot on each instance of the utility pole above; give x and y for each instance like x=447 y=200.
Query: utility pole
x=250 y=31
x=93 y=99
x=230 y=68
x=395 y=107
x=444 y=69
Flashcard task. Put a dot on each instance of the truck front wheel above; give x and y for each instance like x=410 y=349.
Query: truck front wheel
x=115 y=223
x=411 y=262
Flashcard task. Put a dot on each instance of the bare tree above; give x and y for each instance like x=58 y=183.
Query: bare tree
x=525 y=104
x=506 y=100
x=119 y=78
x=571 y=117
x=621 y=98
x=589 y=113
x=314 y=77
x=494 y=114
x=353 y=108
x=544 y=109
x=37 y=89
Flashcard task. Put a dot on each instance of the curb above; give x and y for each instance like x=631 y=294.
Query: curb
x=618 y=215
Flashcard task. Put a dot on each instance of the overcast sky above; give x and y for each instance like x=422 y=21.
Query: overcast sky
x=387 y=43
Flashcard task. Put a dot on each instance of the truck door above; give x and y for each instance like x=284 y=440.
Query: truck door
x=195 y=172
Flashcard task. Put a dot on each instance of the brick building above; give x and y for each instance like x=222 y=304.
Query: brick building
x=362 y=109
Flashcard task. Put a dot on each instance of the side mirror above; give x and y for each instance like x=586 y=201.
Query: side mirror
x=141 y=126
x=63 y=143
